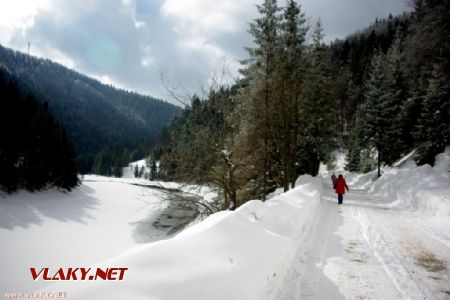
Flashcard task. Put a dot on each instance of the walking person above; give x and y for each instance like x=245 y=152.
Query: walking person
x=333 y=180
x=340 y=188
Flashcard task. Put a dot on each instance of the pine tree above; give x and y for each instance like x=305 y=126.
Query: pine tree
x=354 y=156
x=397 y=94
x=317 y=136
x=141 y=171
x=64 y=161
x=372 y=110
x=428 y=56
x=109 y=163
x=433 y=129
x=290 y=79
x=379 y=114
x=35 y=151
x=153 y=171
x=400 y=98
x=103 y=163
x=259 y=97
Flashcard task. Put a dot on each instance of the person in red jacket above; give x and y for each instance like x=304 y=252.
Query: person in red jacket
x=340 y=188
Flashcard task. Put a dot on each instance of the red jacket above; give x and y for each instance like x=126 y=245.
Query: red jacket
x=341 y=185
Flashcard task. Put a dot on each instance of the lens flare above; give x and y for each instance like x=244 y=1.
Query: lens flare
x=104 y=53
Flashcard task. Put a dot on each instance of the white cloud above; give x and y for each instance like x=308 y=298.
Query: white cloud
x=210 y=32
x=129 y=7
x=126 y=42
x=207 y=49
x=147 y=60
x=208 y=17
x=17 y=15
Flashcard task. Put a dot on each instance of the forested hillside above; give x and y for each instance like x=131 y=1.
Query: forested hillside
x=96 y=116
x=35 y=151
x=394 y=87
x=377 y=94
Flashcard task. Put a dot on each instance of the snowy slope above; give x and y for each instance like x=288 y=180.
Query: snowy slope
x=423 y=190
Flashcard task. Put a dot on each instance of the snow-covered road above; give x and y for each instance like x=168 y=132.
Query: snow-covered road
x=365 y=249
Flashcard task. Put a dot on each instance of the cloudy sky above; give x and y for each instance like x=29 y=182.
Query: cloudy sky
x=128 y=43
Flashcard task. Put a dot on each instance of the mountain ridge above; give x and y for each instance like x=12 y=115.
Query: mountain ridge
x=96 y=115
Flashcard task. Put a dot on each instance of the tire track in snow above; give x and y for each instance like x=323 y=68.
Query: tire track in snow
x=394 y=269
x=305 y=279
x=441 y=236
x=357 y=272
x=426 y=259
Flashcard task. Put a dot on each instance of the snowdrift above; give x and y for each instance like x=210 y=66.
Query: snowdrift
x=231 y=255
x=424 y=190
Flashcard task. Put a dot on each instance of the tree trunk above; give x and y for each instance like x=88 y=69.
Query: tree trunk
x=226 y=200
x=232 y=185
x=294 y=142
x=266 y=145
x=379 y=164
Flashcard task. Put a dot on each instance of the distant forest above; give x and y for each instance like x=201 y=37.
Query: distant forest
x=379 y=93
x=35 y=151
x=98 y=118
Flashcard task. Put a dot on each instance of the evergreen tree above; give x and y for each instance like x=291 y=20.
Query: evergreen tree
x=354 y=153
x=400 y=97
x=433 y=129
x=121 y=158
x=379 y=115
x=102 y=163
x=259 y=97
x=292 y=98
x=428 y=57
x=153 y=171
x=141 y=171
x=35 y=151
x=290 y=79
x=65 y=162
x=397 y=94
x=141 y=151
x=317 y=136
x=109 y=163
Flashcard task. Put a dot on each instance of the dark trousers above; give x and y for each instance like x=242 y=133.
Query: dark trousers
x=340 y=198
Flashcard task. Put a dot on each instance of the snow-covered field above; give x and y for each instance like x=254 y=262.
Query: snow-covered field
x=100 y=219
x=390 y=240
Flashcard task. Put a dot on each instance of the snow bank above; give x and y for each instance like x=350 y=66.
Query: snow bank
x=361 y=181
x=424 y=189
x=230 y=255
